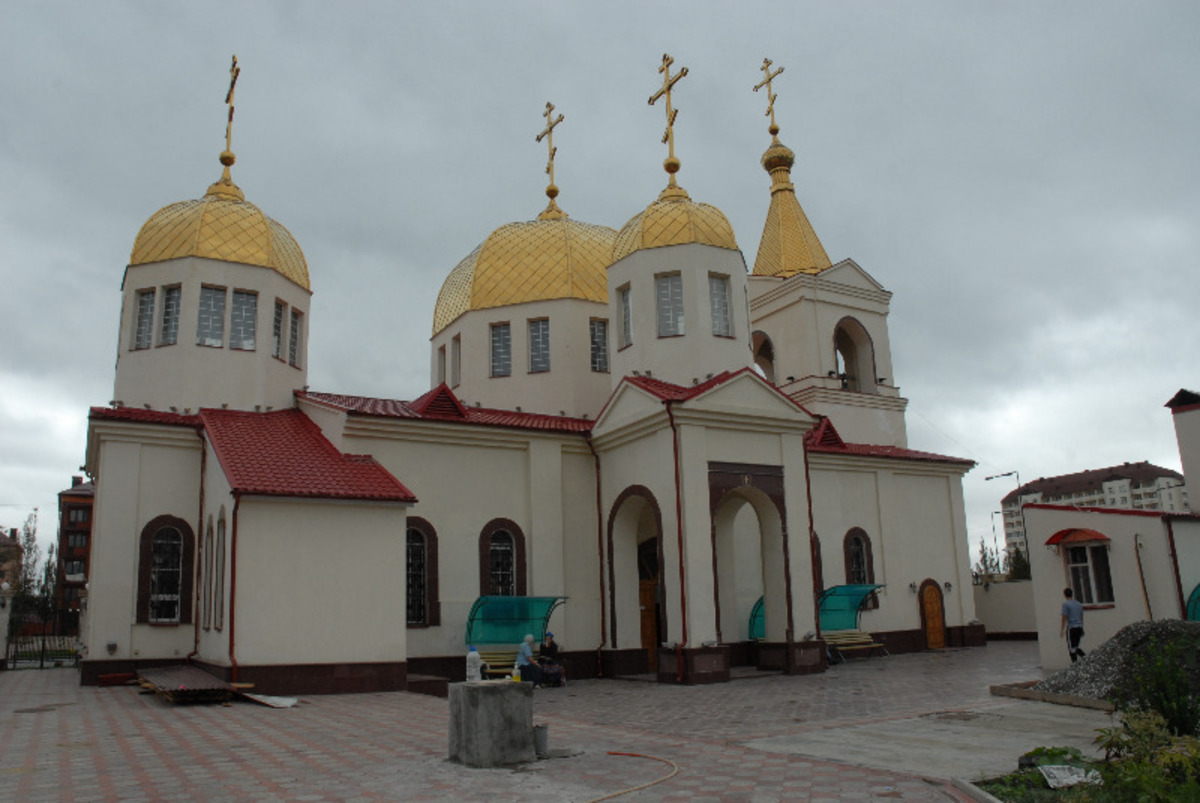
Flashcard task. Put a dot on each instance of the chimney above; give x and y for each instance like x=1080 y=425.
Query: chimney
x=76 y=481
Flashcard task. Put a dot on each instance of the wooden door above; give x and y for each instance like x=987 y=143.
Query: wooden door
x=933 y=616
x=646 y=600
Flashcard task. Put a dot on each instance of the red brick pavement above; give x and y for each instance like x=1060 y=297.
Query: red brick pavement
x=59 y=741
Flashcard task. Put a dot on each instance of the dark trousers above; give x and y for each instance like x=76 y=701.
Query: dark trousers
x=1074 y=634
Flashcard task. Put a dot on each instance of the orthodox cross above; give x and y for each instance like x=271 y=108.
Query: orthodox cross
x=548 y=135
x=766 y=68
x=234 y=72
x=672 y=164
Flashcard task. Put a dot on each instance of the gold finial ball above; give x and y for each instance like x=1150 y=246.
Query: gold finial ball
x=671 y=164
x=773 y=130
x=227 y=158
x=551 y=191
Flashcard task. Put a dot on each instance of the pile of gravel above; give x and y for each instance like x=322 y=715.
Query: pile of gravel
x=1110 y=666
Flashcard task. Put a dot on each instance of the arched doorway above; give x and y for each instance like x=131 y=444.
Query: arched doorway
x=638 y=622
x=749 y=564
x=933 y=615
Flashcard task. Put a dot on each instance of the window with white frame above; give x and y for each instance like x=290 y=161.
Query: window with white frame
x=145 y=319
x=297 y=326
x=598 y=331
x=669 y=300
x=626 y=312
x=277 y=336
x=1089 y=572
x=455 y=360
x=539 y=345
x=168 y=330
x=210 y=325
x=718 y=297
x=242 y=320
x=501 y=349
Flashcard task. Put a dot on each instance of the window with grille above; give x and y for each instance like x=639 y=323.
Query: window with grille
x=598 y=329
x=294 y=338
x=539 y=345
x=242 y=320
x=501 y=349
x=210 y=326
x=206 y=582
x=168 y=331
x=626 y=311
x=145 y=319
x=503 y=565
x=417 y=587
x=669 y=297
x=277 y=330
x=1090 y=576
x=718 y=296
x=856 y=567
x=219 y=569
x=166 y=569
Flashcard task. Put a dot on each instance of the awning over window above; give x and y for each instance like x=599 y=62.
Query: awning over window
x=840 y=605
x=506 y=620
x=1075 y=536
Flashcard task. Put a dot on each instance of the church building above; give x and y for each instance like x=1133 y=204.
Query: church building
x=630 y=423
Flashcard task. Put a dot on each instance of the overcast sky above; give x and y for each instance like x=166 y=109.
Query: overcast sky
x=1024 y=177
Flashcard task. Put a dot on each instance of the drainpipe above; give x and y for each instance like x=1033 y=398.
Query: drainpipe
x=1137 y=551
x=679 y=528
x=587 y=436
x=1175 y=566
x=196 y=612
x=233 y=552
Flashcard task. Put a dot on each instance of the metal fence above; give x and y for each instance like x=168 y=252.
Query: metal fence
x=42 y=652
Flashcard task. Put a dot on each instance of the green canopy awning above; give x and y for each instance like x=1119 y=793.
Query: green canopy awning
x=506 y=620
x=840 y=605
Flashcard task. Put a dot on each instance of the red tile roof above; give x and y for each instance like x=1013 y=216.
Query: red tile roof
x=140 y=415
x=441 y=405
x=283 y=453
x=668 y=391
x=824 y=438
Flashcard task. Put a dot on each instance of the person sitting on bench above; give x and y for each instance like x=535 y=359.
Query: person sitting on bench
x=530 y=671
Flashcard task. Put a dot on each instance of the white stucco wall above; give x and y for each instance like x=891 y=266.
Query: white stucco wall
x=1006 y=607
x=1134 y=600
x=319 y=582
x=188 y=376
x=141 y=472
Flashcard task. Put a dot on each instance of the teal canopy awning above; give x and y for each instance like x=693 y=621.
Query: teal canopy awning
x=758 y=622
x=840 y=605
x=507 y=620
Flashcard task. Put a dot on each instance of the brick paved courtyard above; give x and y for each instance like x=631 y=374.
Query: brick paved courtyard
x=59 y=741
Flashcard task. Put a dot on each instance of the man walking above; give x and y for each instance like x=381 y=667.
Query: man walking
x=1072 y=624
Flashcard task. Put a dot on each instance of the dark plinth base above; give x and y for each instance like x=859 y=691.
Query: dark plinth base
x=699 y=665
x=803 y=657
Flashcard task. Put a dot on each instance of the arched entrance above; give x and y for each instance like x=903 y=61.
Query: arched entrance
x=638 y=623
x=933 y=615
x=748 y=547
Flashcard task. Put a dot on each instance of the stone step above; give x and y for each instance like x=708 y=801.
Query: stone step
x=429 y=684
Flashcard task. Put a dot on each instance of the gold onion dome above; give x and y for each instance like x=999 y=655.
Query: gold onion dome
x=674 y=219
x=549 y=258
x=222 y=225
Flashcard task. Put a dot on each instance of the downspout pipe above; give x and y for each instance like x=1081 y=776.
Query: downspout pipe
x=196 y=612
x=233 y=556
x=683 y=617
x=587 y=436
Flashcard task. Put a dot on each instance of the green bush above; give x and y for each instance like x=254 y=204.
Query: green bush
x=1161 y=680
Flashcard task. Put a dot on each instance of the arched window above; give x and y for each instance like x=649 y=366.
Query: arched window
x=855 y=356
x=165 y=564
x=860 y=564
x=421 y=589
x=502 y=559
x=219 y=570
x=764 y=355
x=206 y=582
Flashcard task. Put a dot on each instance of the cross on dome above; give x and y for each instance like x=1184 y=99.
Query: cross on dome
x=552 y=212
x=766 y=68
x=225 y=185
x=671 y=164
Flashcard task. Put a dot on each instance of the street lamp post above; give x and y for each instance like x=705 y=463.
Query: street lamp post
x=1020 y=507
x=995 y=546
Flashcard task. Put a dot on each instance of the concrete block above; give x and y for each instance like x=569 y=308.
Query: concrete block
x=491 y=723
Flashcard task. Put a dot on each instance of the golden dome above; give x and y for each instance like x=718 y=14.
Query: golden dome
x=222 y=225
x=674 y=219
x=551 y=257
x=789 y=243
